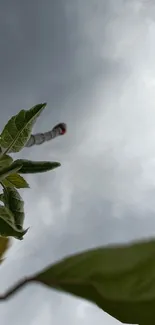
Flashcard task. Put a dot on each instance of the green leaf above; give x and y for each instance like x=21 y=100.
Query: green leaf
x=15 y=180
x=31 y=167
x=5 y=161
x=7 y=226
x=18 y=129
x=120 y=280
x=2 y=197
x=4 y=246
x=4 y=172
x=15 y=204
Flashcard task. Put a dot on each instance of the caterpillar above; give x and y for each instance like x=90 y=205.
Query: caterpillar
x=39 y=138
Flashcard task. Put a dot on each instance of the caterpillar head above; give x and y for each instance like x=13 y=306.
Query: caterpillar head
x=62 y=128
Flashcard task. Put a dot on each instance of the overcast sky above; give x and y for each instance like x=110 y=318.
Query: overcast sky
x=93 y=62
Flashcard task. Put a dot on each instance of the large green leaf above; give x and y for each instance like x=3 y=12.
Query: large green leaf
x=120 y=280
x=5 y=161
x=32 y=167
x=18 y=129
x=4 y=246
x=7 y=224
x=15 y=203
x=4 y=172
x=15 y=180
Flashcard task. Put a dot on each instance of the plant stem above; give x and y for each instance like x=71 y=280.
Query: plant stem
x=8 y=294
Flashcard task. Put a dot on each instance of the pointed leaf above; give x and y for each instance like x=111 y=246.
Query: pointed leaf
x=4 y=172
x=18 y=129
x=31 y=167
x=15 y=180
x=15 y=203
x=120 y=280
x=4 y=246
x=7 y=226
x=5 y=161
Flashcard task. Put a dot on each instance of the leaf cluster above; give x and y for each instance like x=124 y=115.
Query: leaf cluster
x=13 y=138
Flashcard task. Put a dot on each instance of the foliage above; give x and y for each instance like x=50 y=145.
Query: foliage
x=14 y=137
x=118 y=279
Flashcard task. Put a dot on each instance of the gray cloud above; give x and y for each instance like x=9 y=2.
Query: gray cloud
x=93 y=62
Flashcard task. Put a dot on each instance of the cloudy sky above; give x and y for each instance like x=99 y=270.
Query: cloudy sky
x=93 y=62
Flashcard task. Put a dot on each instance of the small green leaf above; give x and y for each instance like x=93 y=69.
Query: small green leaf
x=32 y=167
x=18 y=129
x=4 y=246
x=2 y=197
x=7 y=226
x=15 y=180
x=5 y=161
x=4 y=172
x=15 y=204
x=120 y=280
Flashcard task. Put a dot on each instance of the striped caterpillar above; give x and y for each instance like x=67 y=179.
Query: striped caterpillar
x=39 y=138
